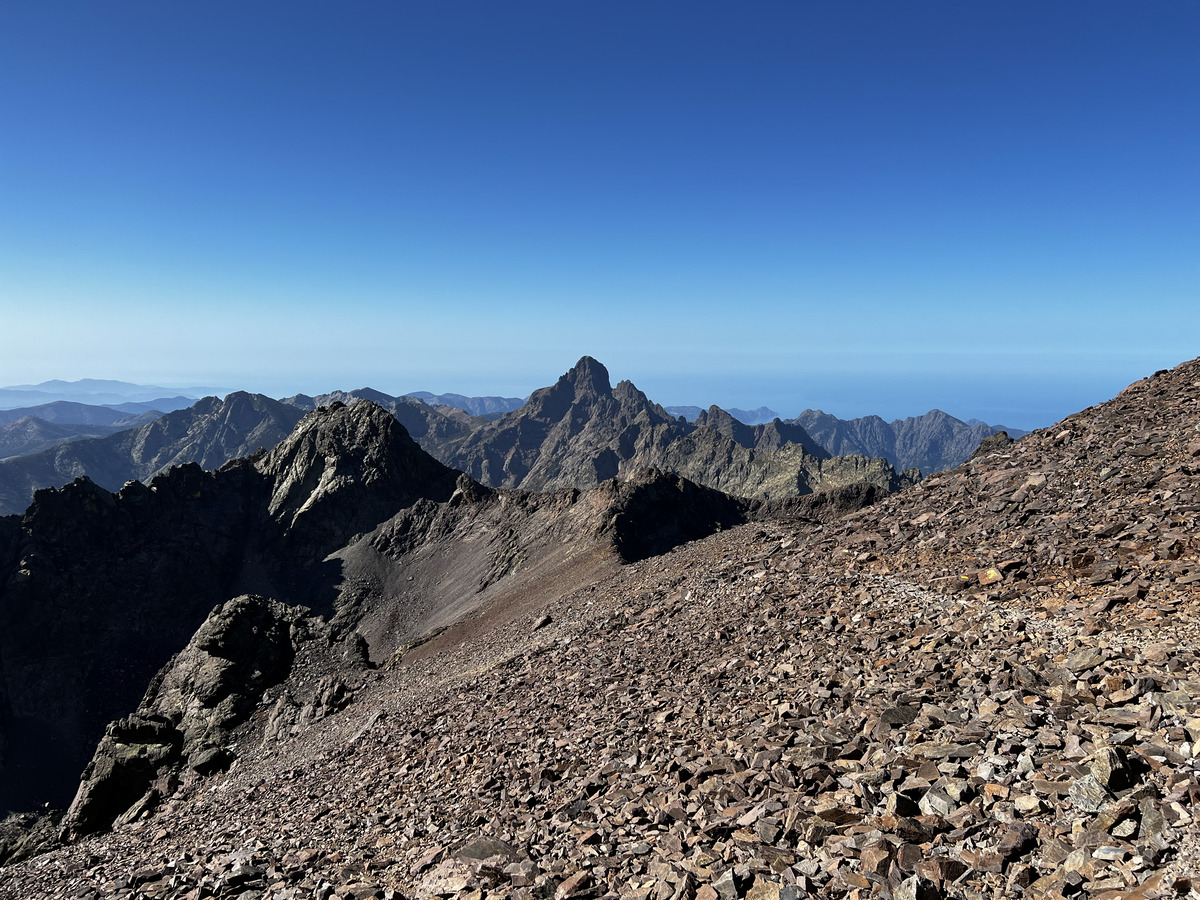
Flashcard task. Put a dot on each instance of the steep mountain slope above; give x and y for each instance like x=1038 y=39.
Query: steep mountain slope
x=30 y=434
x=435 y=429
x=347 y=516
x=985 y=686
x=209 y=433
x=932 y=442
x=582 y=431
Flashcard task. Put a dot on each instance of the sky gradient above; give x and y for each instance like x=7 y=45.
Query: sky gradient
x=989 y=208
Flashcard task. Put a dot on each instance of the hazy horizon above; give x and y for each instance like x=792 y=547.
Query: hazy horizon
x=991 y=210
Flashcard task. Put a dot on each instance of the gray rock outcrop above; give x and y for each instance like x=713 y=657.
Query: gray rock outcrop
x=245 y=646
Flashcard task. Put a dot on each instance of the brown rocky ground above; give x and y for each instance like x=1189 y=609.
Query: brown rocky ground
x=984 y=686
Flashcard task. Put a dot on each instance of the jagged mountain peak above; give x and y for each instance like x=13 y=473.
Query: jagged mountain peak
x=355 y=464
x=589 y=377
x=584 y=385
x=718 y=419
x=580 y=431
x=340 y=427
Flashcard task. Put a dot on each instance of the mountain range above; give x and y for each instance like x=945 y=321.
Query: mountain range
x=341 y=668
x=574 y=433
x=211 y=432
x=27 y=434
x=932 y=443
x=582 y=431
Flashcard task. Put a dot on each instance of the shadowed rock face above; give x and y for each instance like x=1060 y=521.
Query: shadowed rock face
x=212 y=685
x=98 y=589
x=582 y=430
x=655 y=511
x=344 y=470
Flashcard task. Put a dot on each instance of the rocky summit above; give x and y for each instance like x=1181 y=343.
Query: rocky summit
x=986 y=685
x=582 y=430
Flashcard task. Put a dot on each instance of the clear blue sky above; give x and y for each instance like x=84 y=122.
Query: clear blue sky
x=988 y=207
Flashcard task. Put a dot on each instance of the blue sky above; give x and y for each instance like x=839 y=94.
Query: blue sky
x=992 y=208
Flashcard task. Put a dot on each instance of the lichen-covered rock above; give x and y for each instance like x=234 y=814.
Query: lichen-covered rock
x=129 y=758
x=244 y=647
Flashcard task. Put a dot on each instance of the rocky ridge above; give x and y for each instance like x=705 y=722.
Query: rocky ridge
x=760 y=416
x=602 y=432
x=984 y=686
x=63 y=412
x=209 y=433
x=29 y=434
x=931 y=442
x=475 y=406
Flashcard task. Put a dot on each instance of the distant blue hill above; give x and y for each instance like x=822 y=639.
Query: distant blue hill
x=98 y=392
x=476 y=406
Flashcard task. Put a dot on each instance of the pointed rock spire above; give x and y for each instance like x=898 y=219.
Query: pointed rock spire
x=589 y=378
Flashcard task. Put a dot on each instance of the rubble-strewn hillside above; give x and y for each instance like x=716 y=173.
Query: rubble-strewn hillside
x=984 y=686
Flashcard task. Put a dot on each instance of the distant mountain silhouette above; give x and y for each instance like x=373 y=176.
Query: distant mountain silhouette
x=93 y=391
x=476 y=406
x=36 y=428
x=30 y=434
x=63 y=412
